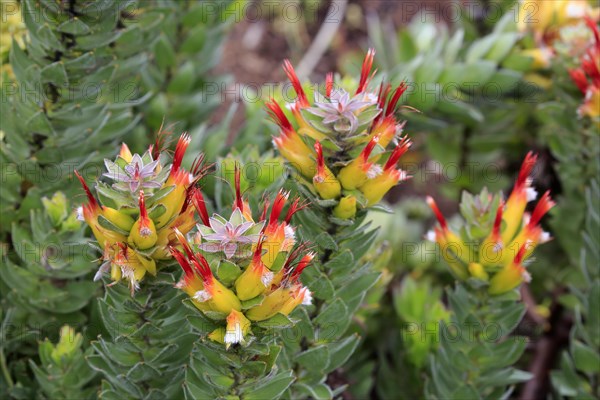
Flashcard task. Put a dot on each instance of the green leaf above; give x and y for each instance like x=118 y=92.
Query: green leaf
x=320 y=391
x=325 y=241
x=270 y=388
x=165 y=54
x=316 y=358
x=228 y=272
x=278 y=321
x=340 y=352
x=74 y=26
x=55 y=73
x=585 y=358
x=503 y=44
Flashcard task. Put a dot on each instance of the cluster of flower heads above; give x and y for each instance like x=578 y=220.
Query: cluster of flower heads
x=147 y=199
x=12 y=28
x=545 y=18
x=498 y=236
x=566 y=30
x=242 y=269
x=339 y=141
x=587 y=76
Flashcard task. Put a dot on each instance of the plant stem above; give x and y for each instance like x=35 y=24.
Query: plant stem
x=5 y=370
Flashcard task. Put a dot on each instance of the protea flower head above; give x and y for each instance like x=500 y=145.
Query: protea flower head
x=498 y=236
x=148 y=199
x=340 y=139
x=244 y=259
x=134 y=173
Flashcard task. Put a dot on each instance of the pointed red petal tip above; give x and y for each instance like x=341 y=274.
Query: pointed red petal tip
x=202 y=267
x=526 y=168
x=366 y=152
x=93 y=203
x=278 y=116
x=498 y=220
x=592 y=25
x=304 y=262
x=239 y=201
x=366 y=70
x=289 y=263
x=398 y=152
x=328 y=84
x=291 y=74
x=278 y=205
x=543 y=206
x=142 y=204
x=199 y=169
x=578 y=77
x=182 y=145
x=296 y=206
x=521 y=254
x=200 y=205
x=320 y=158
x=184 y=243
x=266 y=203
x=160 y=142
x=438 y=215
x=391 y=107
x=185 y=265
x=384 y=90
x=256 y=258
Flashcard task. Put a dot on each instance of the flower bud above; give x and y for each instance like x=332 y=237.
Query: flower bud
x=477 y=271
x=270 y=305
x=118 y=218
x=360 y=169
x=255 y=279
x=143 y=233
x=237 y=328
x=346 y=208
x=511 y=275
x=374 y=189
x=492 y=245
x=325 y=183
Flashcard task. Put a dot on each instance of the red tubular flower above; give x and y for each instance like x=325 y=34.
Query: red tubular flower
x=360 y=169
x=200 y=205
x=366 y=71
x=240 y=203
x=324 y=181
x=511 y=276
x=521 y=194
x=542 y=207
x=256 y=278
x=492 y=244
x=296 y=206
x=449 y=240
x=398 y=152
x=374 y=189
x=289 y=143
x=215 y=296
x=391 y=106
x=328 y=84
x=302 y=264
x=291 y=74
x=578 y=77
x=275 y=232
x=532 y=233
x=92 y=208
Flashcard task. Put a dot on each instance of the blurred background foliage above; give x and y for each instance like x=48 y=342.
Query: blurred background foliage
x=80 y=77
